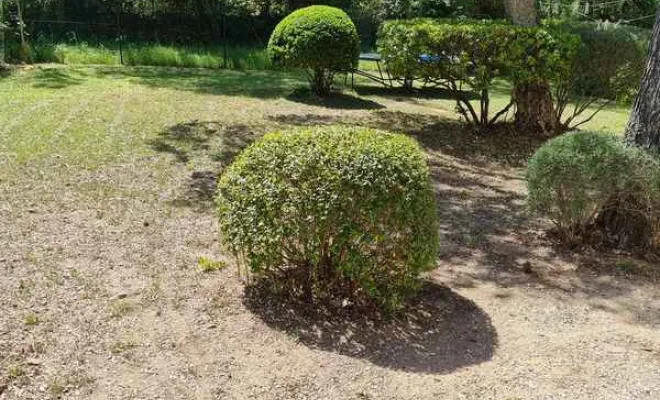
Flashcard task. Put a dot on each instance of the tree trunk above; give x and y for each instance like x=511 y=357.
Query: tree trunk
x=644 y=125
x=535 y=109
x=522 y=12
x=321 y=82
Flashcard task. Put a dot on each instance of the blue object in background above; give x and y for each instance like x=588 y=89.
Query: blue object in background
x=427 y=58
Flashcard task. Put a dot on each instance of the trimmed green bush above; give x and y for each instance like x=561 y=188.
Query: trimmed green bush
x=320 y=39
x=472 y=55
x=336 y=211
x=586 y=182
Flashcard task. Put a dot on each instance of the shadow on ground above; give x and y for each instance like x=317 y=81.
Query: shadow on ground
x=440 y=333
x=487 y=233
x=217 y=141
x=56 y=78
x=336 y=100
x=404 y=94
x=259 y=84
x=502 y=145
x=209 y=138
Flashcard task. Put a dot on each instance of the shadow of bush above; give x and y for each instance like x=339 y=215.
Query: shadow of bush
x=439 y=332
x=257 y=84
x=336 y=100
x=56 y=78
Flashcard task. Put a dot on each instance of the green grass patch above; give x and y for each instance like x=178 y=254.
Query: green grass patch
x=57 y=121
x=151 y=54
x=209 y=265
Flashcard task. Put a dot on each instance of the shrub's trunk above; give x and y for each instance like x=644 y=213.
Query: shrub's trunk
x=535 y=111
x=644 y=125
x=321 y=82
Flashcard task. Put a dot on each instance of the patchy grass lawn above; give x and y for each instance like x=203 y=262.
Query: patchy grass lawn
x=113 y=285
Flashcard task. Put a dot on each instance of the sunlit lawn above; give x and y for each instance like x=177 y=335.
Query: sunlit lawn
x=89 y=116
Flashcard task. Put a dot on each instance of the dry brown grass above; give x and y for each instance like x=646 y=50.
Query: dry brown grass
x=106 y=185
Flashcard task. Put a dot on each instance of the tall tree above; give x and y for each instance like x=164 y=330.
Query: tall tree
x=535 y=110
x=521 y=12
x=644 y=124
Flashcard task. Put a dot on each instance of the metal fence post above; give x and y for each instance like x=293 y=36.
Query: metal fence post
x=2 y=32
x=120 y=38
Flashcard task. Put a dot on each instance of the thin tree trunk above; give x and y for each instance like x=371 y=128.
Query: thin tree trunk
x=2 y=33
x=21 y=27
x=25 y=53
x=644 y=125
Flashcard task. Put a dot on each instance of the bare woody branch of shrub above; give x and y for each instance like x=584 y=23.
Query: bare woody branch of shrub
x=565 y=94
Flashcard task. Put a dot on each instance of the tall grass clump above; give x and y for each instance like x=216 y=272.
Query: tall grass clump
x=146 y=54
x=85 y=54
x=196 y=57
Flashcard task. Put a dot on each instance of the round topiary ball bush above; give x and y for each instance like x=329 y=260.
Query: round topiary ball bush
x=320 y=39
x=586 y=182
x=334 y=212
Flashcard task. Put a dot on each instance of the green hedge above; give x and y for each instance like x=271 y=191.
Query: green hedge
x=475 y=54
x=485 y=49
x=586 y=182
x=347 y=210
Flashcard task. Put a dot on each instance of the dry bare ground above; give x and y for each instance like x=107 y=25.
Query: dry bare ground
x=102 y=296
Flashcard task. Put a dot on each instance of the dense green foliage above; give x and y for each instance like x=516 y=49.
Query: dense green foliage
x=588 y=181
x=637 y=13
x=497 y=49
x=321 y=39
x=474 y=54
x=241 y=22
x=610 y=60
x=351 y=209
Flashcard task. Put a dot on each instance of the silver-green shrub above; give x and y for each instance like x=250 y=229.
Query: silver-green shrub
x=589 y=181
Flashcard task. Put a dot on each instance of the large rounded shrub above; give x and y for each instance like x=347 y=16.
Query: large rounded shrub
x=321 y=39
x=589 y=182
x=335 y=211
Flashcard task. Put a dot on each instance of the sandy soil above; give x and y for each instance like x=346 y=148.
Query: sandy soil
x=102 y=297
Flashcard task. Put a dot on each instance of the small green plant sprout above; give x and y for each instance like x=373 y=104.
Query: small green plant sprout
x=120 y=308
x=15 y=371
x=209 y=265
x=122 y=347
x=32 y=319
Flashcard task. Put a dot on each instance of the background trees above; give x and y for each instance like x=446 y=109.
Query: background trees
x=207 y=21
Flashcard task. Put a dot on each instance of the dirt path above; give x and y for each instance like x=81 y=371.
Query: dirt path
x=102 y=297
